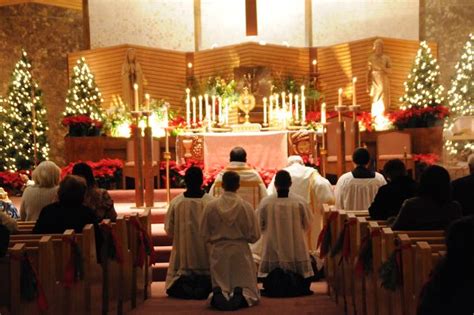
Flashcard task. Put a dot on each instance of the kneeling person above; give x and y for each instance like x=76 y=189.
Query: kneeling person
x=188 y=272
x=229 y=224
x=284 y=219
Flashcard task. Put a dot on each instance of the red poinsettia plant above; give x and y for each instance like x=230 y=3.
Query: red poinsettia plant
x=13 y=182
x=418 y=117
x=428 y=158
x=81 y=120
x=106 y=171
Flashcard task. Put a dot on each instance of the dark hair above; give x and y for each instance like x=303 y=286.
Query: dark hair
x=460 y=242
x=72 y=190
x=193 y=177
x=436 y=184
x=85 y=171
x=394 y=169
x=230 y=181
x=361 y=156
x=282 y=179
x=238 y=154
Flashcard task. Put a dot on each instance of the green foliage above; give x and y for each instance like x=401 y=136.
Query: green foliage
x=24 y=112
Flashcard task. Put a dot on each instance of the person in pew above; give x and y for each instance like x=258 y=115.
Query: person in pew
x=450 y=289
x=463 y=189
x=316 y=190
x=8 y=222
x=96 y=198
x=284 y=218
x=356 y=190
x=6 y=205
x=188 y=275
x=433 y=207
x=69 y=212
x=390 y=197
x=42 y=192
x=228 y=225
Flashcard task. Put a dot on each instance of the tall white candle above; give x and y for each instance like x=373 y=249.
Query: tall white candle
x=283 y=101
x=270 y=111
x=219 y=109
x=297 y=111
x=147 y=102
x=206 y=102
x=213 y=108
x=277 y=103
x=354 y=93
x=265 y=111
x=194 y=109
x=290 y=96
x=323 y=113
x=188 y=108
x=303 y=105
x=200 y=108
x=135 y=94
x=208 y=112
x=339 y=102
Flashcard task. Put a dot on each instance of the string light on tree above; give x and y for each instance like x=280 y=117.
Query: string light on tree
x=24 y=124
x=461 y=98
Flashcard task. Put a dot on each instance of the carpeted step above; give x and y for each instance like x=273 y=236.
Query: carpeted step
x=159 y=236
x=159 y=271
x=158 y=215
x=163 y=253
x=128 y=195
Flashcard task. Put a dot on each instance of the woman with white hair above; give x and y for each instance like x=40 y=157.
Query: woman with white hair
x=42 y=193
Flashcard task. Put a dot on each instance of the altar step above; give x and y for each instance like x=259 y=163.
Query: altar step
x=163 y=245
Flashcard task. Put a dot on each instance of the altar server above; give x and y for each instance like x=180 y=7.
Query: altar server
x=284 y=219
x=252 y=188
x=188 y=272
x=313 y=188
x=356 y=190
x=229 y=224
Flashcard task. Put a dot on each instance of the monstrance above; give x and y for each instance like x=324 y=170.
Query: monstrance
x=246 y=104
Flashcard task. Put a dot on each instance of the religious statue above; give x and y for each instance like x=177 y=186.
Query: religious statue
x=378 y=82
x=131 y=74
x=246 y=103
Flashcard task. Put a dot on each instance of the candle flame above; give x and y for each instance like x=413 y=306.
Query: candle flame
x=315 y=62
x=354 y=79
x=135 y=86
x=340 y=91
x=188 y=91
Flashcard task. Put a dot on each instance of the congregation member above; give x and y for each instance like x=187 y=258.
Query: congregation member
x=463 y=189
x=451 y=285
x=42 y=191
x=252 y=187
x=6 y=205
x=390 y=197
x=8 y=222
x=284 y=218
x=96 y=198
x=188 y=271
x=433 y=207
x=356 y=190
x=68 y=212
x=316 y=190
x=229 y=224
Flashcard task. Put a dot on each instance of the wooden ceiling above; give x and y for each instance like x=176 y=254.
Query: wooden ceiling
x=69 y=4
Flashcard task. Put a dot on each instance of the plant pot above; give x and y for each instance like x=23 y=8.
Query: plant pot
x=78 y=130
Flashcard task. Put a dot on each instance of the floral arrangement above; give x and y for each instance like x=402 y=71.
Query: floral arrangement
x=428 y=159
x=106 y=171
x=225 y=88
x=288 y=84
x=365 y=119
x=82 y=125
x=418 y=117
x=13 y=182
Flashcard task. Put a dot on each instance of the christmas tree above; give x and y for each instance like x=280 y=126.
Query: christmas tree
x=461 y=99
x=23 y=136
x=83 y=97
x=422 y=89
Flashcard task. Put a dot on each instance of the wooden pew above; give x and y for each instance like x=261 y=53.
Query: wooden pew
x=10 y=291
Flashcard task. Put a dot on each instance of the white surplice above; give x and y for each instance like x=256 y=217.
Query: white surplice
x=307 y=183
x=357 y=193
x=229 y=224
x=252 y=188
x=284 y=222
x=189 y=254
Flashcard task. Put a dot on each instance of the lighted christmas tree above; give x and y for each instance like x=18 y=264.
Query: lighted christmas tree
x=24 y=140
x=461 y=99
x=422 y=89
x=83 y=98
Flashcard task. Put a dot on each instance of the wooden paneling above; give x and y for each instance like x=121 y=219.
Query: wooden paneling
x=339 y=63
x=69 y=4
x=164 y=71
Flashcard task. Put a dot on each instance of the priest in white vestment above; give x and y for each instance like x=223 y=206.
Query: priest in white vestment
x=356 y=190
x=188 y=273
x=307 y=183
x=252 y=188
x=284 y=219
x=229 y=224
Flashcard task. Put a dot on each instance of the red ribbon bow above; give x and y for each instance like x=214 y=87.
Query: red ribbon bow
x=143 y=237
x=115 y=241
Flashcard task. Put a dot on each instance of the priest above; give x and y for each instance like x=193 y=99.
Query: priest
x=229 y=224
x=188 y=274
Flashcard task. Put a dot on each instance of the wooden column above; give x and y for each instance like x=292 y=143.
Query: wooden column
x=138 y=157
x=341 y=148
x=86 y=33
x=148 y=166
x=251 y=24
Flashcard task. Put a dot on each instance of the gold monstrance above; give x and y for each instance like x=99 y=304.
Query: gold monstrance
x=246 y=104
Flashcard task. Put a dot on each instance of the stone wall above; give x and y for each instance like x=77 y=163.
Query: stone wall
x=48 y=34
x=447 y=22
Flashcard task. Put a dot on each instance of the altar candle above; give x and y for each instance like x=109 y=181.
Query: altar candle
x=303 y=106
x=194 y=109
x=213 y=108
x=135 y=91
x=290 y=96
x=323 y=113
x=339 y=103
x=270 y=112
x=219 y=109
x=208 y=112
x=283 y=101
x=147 y=102
x=297 y=112
x=200 y=108
x=277 y=104
x=265 y=111
x=188 y=108
x=354 y=94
